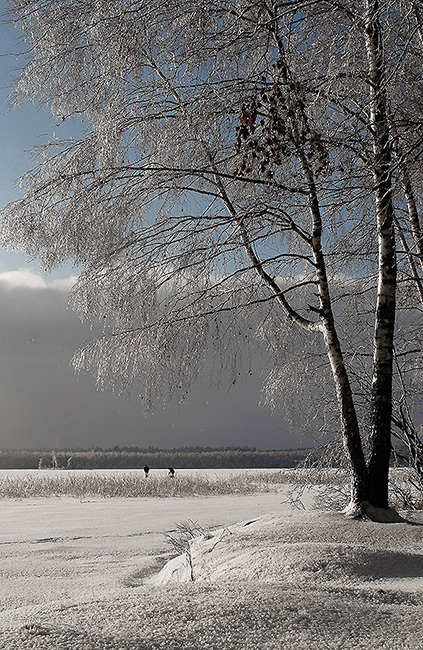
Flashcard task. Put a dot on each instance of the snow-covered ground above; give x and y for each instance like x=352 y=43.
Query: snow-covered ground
x=92 y=575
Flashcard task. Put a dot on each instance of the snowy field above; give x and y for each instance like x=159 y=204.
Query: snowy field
x=93 y=574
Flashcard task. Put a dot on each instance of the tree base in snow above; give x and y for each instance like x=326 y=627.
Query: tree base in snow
x=364 y=510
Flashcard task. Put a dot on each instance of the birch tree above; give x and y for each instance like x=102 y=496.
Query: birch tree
x=237 y=165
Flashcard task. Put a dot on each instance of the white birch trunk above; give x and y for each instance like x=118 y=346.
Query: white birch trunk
x=380 y=435
x=416 y=229
x=348 y=416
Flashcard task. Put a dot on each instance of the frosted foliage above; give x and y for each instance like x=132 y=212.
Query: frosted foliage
x=218 y=185
x=149 y=360
x=300 y=378
x=163 y=355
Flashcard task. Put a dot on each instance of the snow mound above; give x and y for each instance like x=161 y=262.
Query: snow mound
x=284 y=548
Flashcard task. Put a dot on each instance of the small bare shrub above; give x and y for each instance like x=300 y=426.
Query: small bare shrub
x=406 y=489
x=185 y=532
x=322 y=475
x=180 y=540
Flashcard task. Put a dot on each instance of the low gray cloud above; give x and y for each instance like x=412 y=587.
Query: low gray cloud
x=44 y=404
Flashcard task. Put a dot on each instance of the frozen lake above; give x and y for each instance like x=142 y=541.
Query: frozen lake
x=210 y=473
x=65 y=550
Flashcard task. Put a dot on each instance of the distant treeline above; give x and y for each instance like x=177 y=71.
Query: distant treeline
x=136 y=458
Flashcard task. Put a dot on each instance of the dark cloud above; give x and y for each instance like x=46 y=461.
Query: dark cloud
x=44 y=404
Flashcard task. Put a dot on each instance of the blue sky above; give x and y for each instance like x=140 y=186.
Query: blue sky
x=20 y=129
